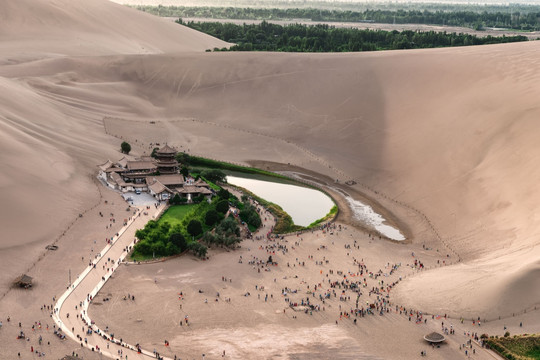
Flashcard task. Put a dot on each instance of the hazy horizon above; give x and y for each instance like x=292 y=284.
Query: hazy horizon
x=244 y=3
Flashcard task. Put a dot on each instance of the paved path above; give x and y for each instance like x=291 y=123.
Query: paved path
x=71 y=309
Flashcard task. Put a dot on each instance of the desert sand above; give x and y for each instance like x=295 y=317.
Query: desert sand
x=440 y=141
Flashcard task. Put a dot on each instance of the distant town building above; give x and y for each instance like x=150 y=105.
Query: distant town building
x=158 y=176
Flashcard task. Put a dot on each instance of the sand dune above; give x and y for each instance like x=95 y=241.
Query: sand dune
x=46 y=28
x=444 y=140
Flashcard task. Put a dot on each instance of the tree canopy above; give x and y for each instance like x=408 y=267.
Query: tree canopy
x=125 y=147
x=194 y=228
x=222 y=206
x=214 y=175
x=324 y=38
x=211 y=217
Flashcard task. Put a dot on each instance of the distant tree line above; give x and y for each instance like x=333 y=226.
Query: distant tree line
x=526 y=18
x=325 y=38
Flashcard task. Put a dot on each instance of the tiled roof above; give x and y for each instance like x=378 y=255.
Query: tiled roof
x=140 y=165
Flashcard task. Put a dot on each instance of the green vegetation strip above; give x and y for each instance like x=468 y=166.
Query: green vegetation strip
x=215 y=164
x=526 y=347
x=324 y=38
x=331 y=214
x=518 y=17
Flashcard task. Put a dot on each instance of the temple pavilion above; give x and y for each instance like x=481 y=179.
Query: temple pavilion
x=166 y=160
x=157 y=175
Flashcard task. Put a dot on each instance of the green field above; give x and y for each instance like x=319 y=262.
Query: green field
x=174 y=214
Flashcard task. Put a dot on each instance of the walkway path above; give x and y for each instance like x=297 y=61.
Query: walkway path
x=71 y=309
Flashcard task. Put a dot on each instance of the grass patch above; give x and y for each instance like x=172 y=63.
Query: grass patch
x=211 y=184
x=176 y=213
x=139 y=257
x=526 y=347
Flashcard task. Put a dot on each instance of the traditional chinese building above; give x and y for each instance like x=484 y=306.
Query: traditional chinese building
x=158 y=176
x=166 y=160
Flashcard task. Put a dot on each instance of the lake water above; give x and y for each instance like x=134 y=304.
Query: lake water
x=304 y=205
x=367 y=215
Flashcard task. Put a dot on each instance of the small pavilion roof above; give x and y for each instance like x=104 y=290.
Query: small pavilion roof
x=158 y=188
x=106 y=166
x=167 y=150
x=192 y=189
x=23 y=280
x=200 y=182
x=123 y=162
x=434 y=337
x=115 y=169
x=118 y=179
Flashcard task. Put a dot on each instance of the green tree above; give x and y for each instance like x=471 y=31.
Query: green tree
x=209 y=238
x=194 y=228
x=184 y=170
x=143 y=248
x=158 y=248
x=198 y=198
x=171 y=249
x=183 y=158
x=175 y=200
x=224 y=194
x=211 y=217
x=222 y=206
x=214 y=175
x=249 y=214
x=198 y=249
x=125 y=147
x=229 y=226
x=154 y=150
x=178 y=240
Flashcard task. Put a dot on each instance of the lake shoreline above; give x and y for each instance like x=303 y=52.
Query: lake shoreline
x=336 y=191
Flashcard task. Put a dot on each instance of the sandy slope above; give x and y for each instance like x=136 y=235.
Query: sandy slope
x=444 y=140
x=47 y=28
